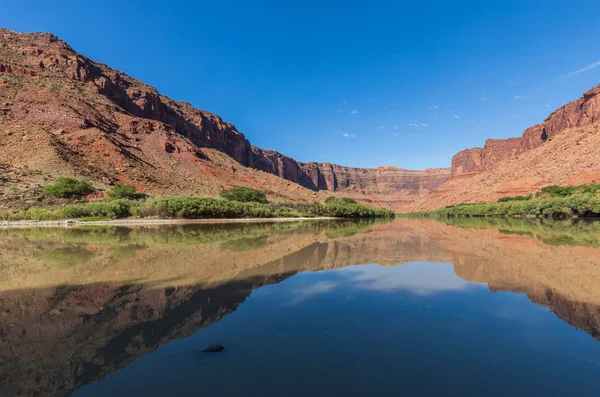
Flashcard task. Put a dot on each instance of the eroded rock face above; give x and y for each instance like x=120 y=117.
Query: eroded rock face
x=66 y=91
x=580 y=113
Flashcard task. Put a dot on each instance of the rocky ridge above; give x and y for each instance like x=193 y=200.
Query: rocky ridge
x=64 y=114
x=86 y=116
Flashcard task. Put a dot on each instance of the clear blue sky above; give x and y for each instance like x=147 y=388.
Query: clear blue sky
x=359 y=83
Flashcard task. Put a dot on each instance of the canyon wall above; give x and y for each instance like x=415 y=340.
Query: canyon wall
x=582 y=112
x=93 y=121
x=77 y=83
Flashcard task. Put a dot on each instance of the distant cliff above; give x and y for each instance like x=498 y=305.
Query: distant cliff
x=583 y=112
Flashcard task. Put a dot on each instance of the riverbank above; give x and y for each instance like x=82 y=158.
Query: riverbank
x=149 y=221
x=555 y=202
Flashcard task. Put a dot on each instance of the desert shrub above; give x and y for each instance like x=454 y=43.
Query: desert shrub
x=201 y=207
x=339 y=200
x=129 y=192
x=65 y=187
x=515 y=198
x=349 y=210
x=101 y=209
x=244 y=195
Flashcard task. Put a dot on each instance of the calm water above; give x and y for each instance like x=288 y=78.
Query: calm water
x=408 y=307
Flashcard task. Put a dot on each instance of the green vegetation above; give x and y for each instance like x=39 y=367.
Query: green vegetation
x=129 y=192
x=65 y=187
x=244 y=195
x=125 y=201
x=558 y=202
x=348 y=208
x=516 y=198
x=574 y=232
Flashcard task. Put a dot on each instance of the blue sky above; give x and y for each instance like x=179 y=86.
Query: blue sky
x=359 y=83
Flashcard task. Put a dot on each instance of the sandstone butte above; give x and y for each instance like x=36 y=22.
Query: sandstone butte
x=64 y=114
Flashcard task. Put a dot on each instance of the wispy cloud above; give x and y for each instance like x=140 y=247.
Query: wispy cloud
x=485 y=98
x=346 y=135
x=511 y=82
x=344 y=102
x=546 y=105
x=456 y=116
x=424 y=125
x=520 y=97
x=418 y=278
x=308 y=292
x=354 y=111
x=584 y=69
x=434 y=107
x=471 y=121
x=395 y=127
x=413 y=125
x=382 y=127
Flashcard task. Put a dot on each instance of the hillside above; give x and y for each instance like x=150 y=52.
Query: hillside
x=64 y=114
x=563 y=150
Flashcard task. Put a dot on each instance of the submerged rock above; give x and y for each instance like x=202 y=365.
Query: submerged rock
x=213 y=349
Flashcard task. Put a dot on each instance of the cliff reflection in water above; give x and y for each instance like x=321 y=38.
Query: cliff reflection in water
x=78 y=304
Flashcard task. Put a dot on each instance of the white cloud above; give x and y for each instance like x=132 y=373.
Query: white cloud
x=424 y=125
x=520 y=97
x=311 y=291
x=344 y=102
x=354 y=111
x=546 y=105
x=456 y=116
x=420 y=278
x=433 y=107
x=511 y=82
x=413 y=125
x=346 y=135
x=584 y=69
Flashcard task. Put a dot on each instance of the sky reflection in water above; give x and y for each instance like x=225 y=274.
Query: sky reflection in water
x=413 y=329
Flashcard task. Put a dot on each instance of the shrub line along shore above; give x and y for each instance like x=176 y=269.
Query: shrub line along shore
x=150 y=221
x=126 y=202
x=556 y=202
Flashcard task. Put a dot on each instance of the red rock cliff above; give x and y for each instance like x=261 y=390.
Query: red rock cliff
x=73 y=104
x=579 y=113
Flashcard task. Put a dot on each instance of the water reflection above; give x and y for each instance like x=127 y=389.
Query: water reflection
x=78 y=304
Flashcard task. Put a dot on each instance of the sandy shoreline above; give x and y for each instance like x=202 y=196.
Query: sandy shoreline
x=142 y=222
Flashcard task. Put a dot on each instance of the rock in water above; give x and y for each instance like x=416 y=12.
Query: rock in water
x=213 y=349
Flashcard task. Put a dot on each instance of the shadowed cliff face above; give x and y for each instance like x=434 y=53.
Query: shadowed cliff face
x=78 y=304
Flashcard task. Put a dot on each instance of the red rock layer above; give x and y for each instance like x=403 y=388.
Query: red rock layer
x=50 y=86
x=583 y=112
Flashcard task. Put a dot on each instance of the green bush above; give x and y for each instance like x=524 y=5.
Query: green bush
x=244 y=195
x=201 y=207
x=113 y=209
x=129 y=192
x=516 y=198
x=65 y=187
x=349 y=210
x=339 y=200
